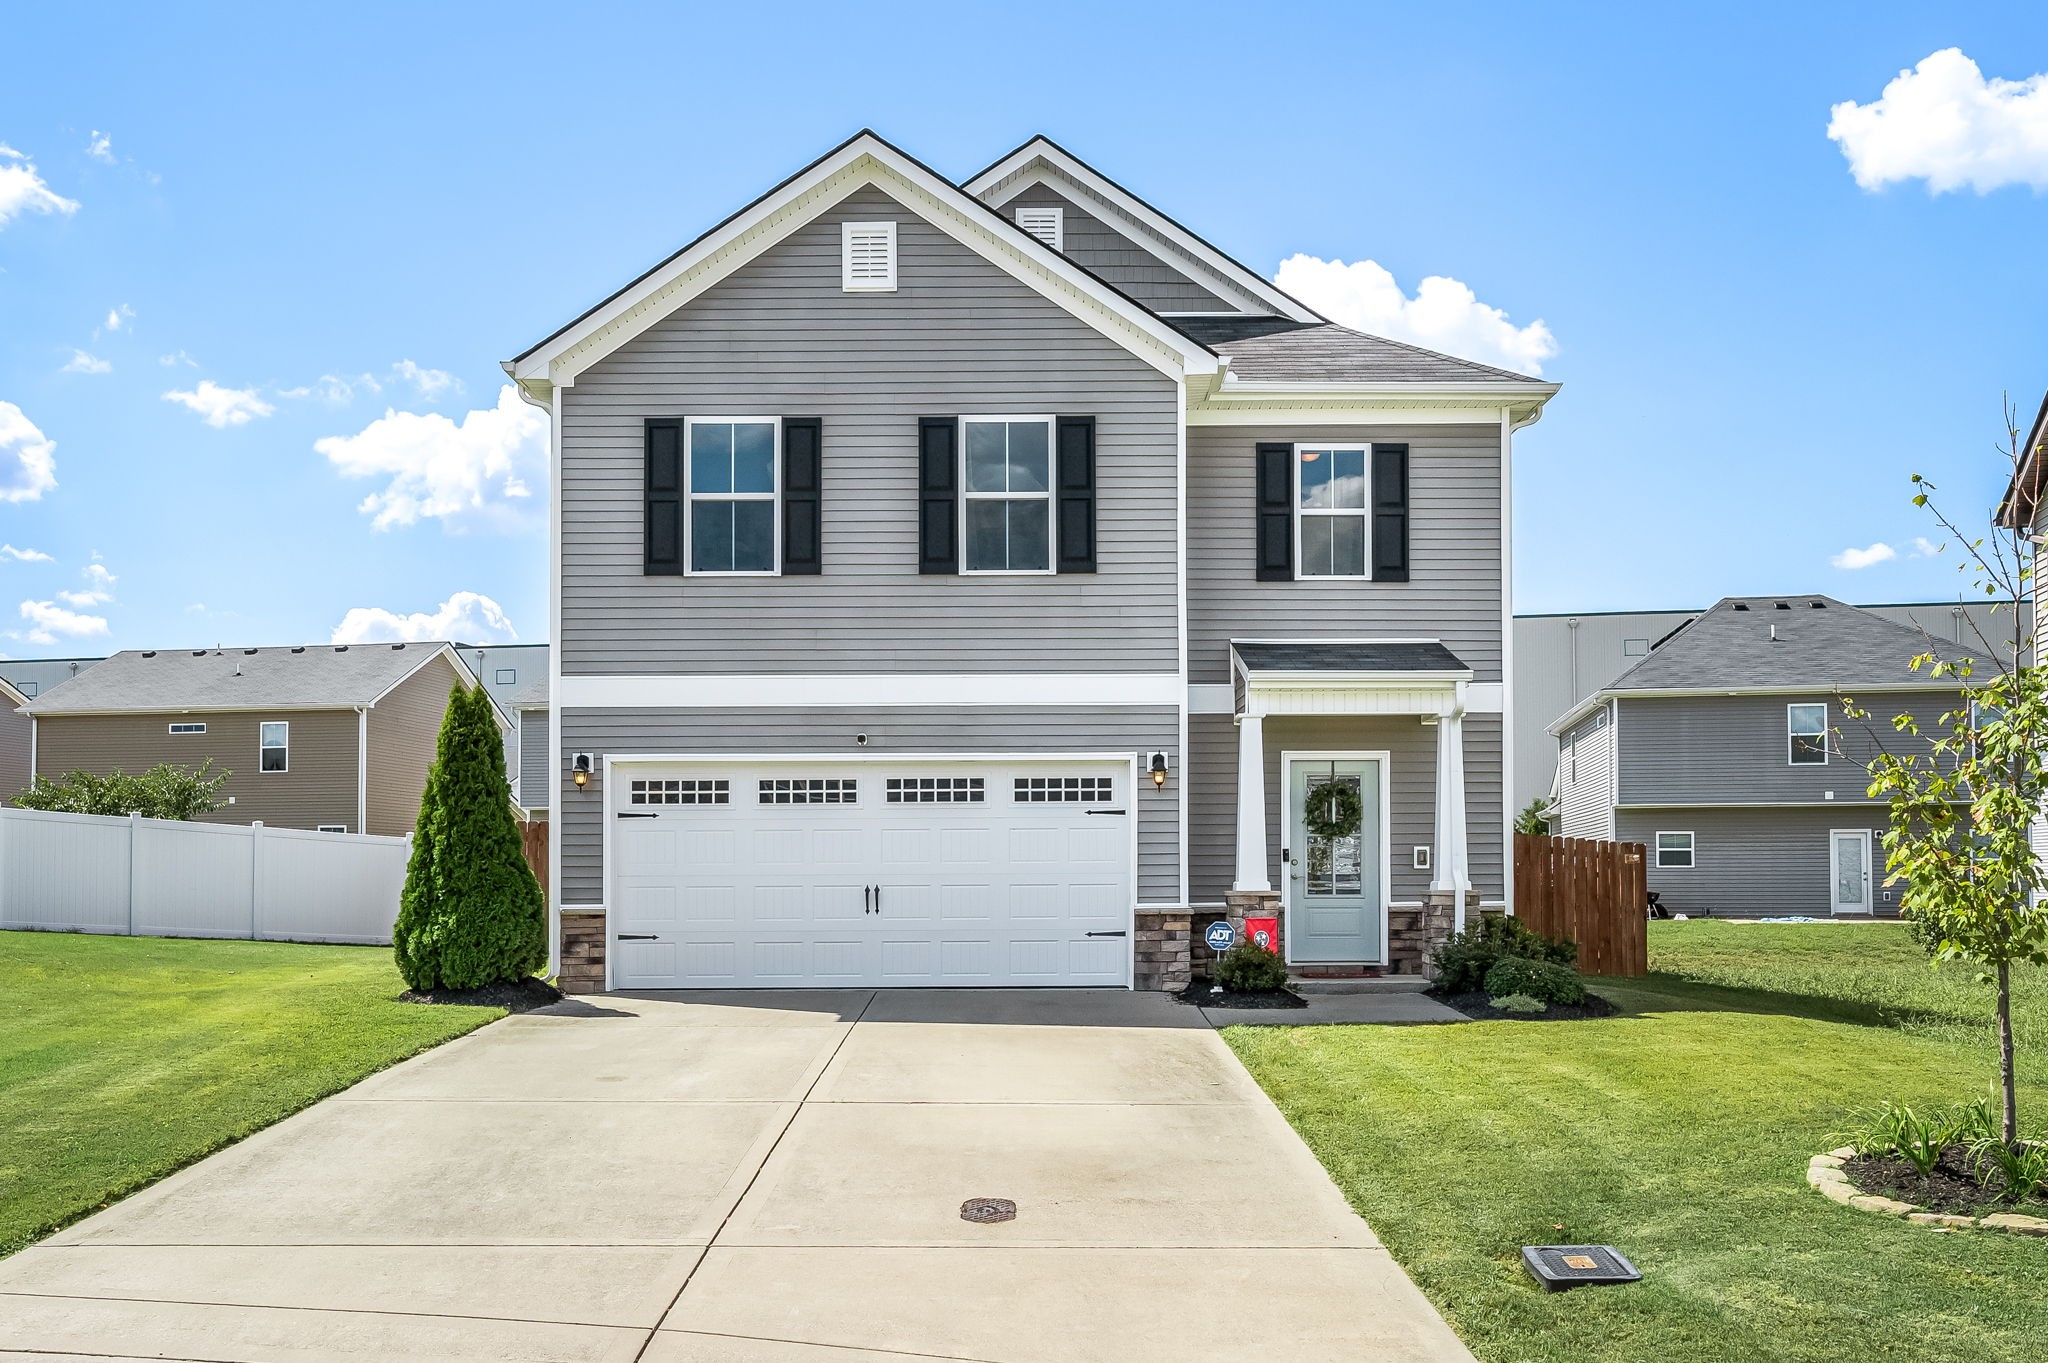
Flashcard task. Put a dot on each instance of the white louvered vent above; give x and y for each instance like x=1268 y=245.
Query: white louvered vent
x=868 y=256
x=1046 y=222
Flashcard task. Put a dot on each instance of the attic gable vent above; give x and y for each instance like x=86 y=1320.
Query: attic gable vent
x=1047 y=222
x=868 y=257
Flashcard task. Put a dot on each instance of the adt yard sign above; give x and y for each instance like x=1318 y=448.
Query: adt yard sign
x=1220 y=935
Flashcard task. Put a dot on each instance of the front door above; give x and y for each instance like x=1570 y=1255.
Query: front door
x=1849 y=870
x=1333 y=860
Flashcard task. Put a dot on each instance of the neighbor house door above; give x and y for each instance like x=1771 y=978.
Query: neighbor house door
x=1849 y=870
x=1333 y=891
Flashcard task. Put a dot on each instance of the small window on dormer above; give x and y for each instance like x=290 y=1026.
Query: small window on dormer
x=1046 y=222
x=868 y=257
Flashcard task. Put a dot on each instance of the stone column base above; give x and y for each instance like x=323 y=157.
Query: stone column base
x=1414 y=933
x=1159 y=955
x=582 y=953
x=1237 y=906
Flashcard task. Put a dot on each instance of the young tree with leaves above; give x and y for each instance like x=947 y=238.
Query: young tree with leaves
x=165 y=791
x=1964 y=797
x=471 y=913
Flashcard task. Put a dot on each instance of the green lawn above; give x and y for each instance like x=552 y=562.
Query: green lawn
x=1679 y=1131
x=122 y=1059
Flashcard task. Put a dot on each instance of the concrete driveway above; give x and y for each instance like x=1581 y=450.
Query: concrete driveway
x=765 y=1178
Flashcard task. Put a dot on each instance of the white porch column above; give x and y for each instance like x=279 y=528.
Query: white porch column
x=1251 y=804
x=1452 y=874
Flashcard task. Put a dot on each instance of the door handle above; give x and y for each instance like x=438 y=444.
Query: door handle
x=1104 y=811
x=1118 y=933
x=878 y=899
x=637 y=814
x=639 y=937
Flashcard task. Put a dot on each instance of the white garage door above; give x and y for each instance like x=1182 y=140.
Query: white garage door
x=870 y=873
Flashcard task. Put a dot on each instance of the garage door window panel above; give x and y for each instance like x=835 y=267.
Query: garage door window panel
x=811 y=790
x=679 y=792
x=935 y=790
x=1039 y=790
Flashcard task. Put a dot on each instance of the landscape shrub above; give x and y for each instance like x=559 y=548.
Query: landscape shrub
x=1545 y=980
x=471 y=913
x=165 y=791
x=1249 y=968
x=1518 y=1003
x=1463 y=961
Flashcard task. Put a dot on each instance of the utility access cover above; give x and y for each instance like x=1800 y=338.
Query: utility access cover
x=1558 y=1267
x=987 y=1211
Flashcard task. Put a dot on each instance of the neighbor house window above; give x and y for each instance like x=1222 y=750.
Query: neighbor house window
x=188 y=728
x=275 y=742
x=1807 y=731
x=733 y=486
x=332 y=828
x=30 y=688
x=1674 y=851
x=1331 y=522
x=1008 y=503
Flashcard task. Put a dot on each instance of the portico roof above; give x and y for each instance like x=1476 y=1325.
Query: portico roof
x=1371 y=656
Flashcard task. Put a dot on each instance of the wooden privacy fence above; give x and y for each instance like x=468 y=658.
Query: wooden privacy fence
x=533 y=840
x=1596 y=893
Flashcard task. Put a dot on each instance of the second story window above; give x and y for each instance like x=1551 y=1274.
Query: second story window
x=1332 y=523
x=732 y=494
x=275 y=743
x=1806 y=729
x=1007 y=507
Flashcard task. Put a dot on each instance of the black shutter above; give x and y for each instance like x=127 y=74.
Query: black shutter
x=664 y=491
x=803 y=476
x=1276 y=513
x=1390 y=513
x=1075 y=493
x=938 y=494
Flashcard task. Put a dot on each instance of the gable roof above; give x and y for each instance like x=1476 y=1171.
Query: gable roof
x=1010 y=173
x=1355 y=655
x=1780 y=643
x=309 y=677
x=864 y=158
x=1333 y=354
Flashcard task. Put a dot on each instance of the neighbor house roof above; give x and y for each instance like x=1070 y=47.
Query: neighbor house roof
x=1332 y=354
x=307 y=677
x=1346 y=655
x=2023 y=494
x=1779 y=643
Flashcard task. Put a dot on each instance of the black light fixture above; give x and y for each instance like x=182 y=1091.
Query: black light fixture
x=579 y=769
x=1158 y=770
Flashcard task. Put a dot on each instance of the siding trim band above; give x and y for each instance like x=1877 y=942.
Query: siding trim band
x=853 y=690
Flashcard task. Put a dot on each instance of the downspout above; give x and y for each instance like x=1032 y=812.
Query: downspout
x=362 y=769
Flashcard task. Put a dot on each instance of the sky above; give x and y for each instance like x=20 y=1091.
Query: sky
x=259 y=264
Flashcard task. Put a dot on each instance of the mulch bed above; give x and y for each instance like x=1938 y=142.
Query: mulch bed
x=1478 y=1006
x=1200 y=994
x=532 y=992
x=1952 y=1187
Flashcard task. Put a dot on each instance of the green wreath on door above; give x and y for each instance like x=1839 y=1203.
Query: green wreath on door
x=1332 y=809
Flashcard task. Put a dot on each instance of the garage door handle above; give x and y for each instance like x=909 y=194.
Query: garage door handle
x=639 y=937
x=1118 y=933
x=635 y=814
x=1102 y=811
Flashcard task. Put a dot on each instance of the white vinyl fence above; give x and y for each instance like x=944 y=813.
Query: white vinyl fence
x=160 y=878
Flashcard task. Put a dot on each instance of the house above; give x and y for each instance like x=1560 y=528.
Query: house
x=1728 y=753
x=21 y=681
x=968 y=584
x=33 y=676
x=516 y=675
x=1561 y=658
x=331 y=737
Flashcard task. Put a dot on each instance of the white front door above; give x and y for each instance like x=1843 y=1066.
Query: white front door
x=1849 y=870
x=866 y=873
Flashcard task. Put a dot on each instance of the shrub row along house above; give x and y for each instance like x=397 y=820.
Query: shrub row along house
x=968 y=583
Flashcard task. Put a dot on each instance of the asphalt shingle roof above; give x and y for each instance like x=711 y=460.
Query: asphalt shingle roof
x=1427 y=656
x=311 y=676
x=1332 y=354
x=1781 y=641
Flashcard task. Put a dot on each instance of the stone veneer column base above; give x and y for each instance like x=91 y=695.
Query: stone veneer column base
x=582 y=953
x=1159 y=955
x=1237 y=906
x=1414 y=933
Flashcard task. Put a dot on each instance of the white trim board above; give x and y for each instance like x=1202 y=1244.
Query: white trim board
x=857 y=690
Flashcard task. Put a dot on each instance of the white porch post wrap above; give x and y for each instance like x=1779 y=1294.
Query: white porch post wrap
x=1453 y=875
x=1251 y=803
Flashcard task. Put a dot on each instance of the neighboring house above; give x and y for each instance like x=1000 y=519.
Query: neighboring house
x=324 y=736
x=1728 y=753
x=17 y=741
x=516 y=675
x=962 y=584
x=1562 y=658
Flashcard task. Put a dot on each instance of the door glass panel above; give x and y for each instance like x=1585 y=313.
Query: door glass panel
x=1335 y=866
x=1848 y=870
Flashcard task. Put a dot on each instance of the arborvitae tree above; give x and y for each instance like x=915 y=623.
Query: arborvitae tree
x=471 y=913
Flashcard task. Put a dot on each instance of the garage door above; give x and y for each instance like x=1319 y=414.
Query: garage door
x=868 y=873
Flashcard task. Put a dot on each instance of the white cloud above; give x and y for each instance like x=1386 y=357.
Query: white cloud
x=101 y=147
x=22 y=189
x=431 y=383
x=119 y=317
x=476 y=475
x=1443 y=315
x=335 y=387
x=24 y=555
x=1853 y=558
x=221 y=407
x=1942 y=122
x=99 y=591
x=175 y=358
x=467 y=616
x=82 y=363
x=48 y=620
x=28 y=458
x=1924 y=547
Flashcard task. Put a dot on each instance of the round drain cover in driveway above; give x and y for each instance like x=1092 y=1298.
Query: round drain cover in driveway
x=988 y=1210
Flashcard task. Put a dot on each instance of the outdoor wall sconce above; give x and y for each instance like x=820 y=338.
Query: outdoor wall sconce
x=579 y=769
x=1158 y=769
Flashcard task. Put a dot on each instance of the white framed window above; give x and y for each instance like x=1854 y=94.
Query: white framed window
x=1006 y=508
x=331 y=828
x=1047 y=222
x=1674 y=851
x=734 y=477
x=1635 y=648
x=867 y=257
x=188 y=728
x=507 y=675
x=274 y=746
x=1332 y=522
x=1806 y=735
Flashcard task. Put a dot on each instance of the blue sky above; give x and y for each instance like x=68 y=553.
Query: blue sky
x=304 y=220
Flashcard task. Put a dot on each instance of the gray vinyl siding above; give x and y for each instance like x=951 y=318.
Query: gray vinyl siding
x=404 y=730
x=1585 y=778
x=1119 y=258
x=578 y=813
x=1411 y=749
x=1454 y=591
x=1734 y=749
x=781 y=338
x=535 y=770
x=16 y=731
x=1755 y=862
